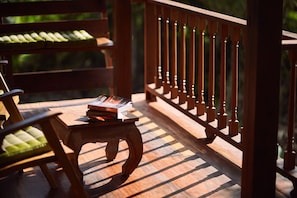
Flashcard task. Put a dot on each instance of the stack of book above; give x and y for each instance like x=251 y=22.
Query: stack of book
x=108 y=108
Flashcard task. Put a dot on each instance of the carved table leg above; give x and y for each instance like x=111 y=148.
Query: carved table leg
x=74 y=159
x=135 y=145
x=112 y=149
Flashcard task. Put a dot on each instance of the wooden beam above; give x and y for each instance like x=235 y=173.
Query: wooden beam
x=123 y=41
x=262 y=73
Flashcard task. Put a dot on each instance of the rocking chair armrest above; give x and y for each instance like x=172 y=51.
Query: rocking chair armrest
x=10 y=94
x=28 y=122
x=3 y=62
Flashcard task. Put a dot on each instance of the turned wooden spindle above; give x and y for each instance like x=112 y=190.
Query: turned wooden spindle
x=233 y=122
x=166 y=81
x=182 y=86
x=192 y=52
x=200 y=80
x=211 y=109
x=222 y=115
x=174 y=87
x=158 y=74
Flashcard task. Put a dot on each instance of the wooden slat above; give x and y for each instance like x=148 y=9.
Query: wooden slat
x=64 y=80
x=96 y=27
x=70 y=48
x=50 y=7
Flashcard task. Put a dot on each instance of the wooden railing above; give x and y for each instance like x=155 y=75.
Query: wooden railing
x=192 y=57
x=194 y=60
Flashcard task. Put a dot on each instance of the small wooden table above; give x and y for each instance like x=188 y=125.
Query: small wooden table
x=75 y=130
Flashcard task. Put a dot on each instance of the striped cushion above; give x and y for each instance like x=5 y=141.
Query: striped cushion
x=46 y=39
x=23 y=144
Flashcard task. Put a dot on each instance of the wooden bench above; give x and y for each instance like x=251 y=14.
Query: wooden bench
x=71 y=35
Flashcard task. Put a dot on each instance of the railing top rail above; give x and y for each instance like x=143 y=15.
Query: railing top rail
x=211 y=15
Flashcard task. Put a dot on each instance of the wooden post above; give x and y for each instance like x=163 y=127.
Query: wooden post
x=261 y=94
x=289 y=154
x=122 y=38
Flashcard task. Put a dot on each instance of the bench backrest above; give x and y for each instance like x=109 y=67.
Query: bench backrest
x=96 y=8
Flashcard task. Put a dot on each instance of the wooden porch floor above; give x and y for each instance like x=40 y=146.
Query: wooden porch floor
x=174 y=163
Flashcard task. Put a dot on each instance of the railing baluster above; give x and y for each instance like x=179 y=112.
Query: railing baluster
x=166 y=81
x=233 y=122
x=174 y=87
x=289 y=154
x=222 y=115
x=200 y=82
x=211 y=109
x=182 y=90
x=158 y=78
x=192 y=50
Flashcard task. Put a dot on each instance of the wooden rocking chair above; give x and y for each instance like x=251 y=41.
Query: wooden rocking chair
x=23 y=145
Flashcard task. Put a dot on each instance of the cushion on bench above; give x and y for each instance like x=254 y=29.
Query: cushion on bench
x=23 y=144
x=44 y=39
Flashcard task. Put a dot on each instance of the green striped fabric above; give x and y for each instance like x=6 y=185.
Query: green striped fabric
x=46 y=39
x=23 y=144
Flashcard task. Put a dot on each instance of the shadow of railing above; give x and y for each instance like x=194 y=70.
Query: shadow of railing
x=168 y=168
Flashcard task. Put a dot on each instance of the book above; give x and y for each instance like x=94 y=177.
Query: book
x=103 y=115
x=107 y=118
x=91 y=112
x=115 y=105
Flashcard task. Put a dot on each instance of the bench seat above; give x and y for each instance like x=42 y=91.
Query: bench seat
x=31 y=41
